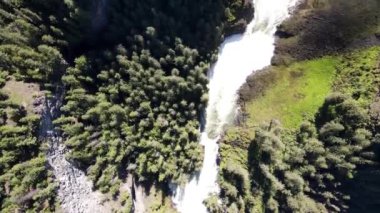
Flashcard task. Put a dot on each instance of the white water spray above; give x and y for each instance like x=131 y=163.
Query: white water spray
x=239 y=56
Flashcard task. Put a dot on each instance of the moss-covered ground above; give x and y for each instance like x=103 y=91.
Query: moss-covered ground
x=298 y=91
x=300 y=88
x=359 y=74
x=235 y=145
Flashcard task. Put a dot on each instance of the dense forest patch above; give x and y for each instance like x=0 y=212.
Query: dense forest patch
x=135 y=108
x=307 y=170
x=199 y=24
x=134 y=79
x=25 y=182
x=25 y=55
x=139 y=112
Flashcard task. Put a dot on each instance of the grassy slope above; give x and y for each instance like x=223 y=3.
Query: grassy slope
x=300 y=89
x=297 y=93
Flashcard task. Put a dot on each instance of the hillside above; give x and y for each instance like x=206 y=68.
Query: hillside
x=309 y=121
x=127 y=105
x=103 y=91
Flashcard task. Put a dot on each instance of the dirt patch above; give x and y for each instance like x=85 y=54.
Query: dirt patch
x=322 y=27
x=257 y=84
x=25 y=94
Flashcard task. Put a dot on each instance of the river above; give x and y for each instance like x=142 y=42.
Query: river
x=239 y=56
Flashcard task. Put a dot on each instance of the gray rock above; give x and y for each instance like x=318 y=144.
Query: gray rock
x=75 y=191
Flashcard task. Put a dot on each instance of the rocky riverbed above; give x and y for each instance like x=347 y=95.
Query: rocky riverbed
x=75 y=192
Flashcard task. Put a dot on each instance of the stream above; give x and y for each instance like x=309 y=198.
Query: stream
x=239 y=56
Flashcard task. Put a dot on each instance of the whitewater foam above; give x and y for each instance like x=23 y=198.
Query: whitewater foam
x=239 y=56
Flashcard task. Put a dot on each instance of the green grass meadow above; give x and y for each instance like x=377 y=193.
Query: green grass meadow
x=300 y=88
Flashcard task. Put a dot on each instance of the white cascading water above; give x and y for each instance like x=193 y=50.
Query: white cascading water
x=239 y=56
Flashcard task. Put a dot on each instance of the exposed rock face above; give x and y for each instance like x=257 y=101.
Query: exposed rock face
x=244 y=15
x=75 y=191
x=38 y=105
x=139 y=199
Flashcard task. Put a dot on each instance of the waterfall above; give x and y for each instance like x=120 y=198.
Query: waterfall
x=239 y=56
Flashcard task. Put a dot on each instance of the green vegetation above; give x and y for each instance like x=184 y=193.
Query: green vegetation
x=302 y=173
x=25 y=182
x=134 y=79
x=126 y=202
x=234 y=178
x=294 y=93
x=358 y=75
x=139 y=115
x=176 y=19
x=133 y=106
x=324 y=150
x=157 y=201
x=25 y=50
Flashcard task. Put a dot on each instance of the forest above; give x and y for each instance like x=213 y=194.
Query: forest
x=131 y=80
x=132 y=75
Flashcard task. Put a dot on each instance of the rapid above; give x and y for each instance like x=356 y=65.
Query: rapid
x=239 y=56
